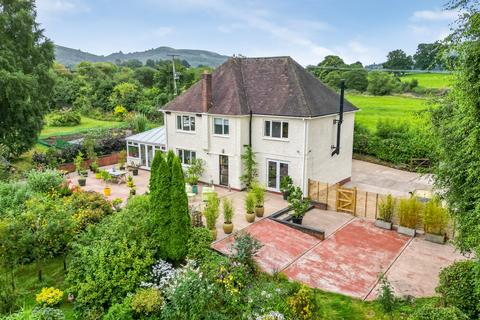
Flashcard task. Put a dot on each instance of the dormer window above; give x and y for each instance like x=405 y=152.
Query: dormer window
x=185 y=123
x=276 y=129
x=221 y=126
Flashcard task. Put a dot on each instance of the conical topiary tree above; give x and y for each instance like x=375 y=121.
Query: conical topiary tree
x=169 y=205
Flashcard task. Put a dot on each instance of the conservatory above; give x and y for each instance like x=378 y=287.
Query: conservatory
x=141 y=147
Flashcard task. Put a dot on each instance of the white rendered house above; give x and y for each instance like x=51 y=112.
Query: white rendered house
x=274 y=104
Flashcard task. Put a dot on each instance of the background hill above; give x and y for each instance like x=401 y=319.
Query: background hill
x=71 y=57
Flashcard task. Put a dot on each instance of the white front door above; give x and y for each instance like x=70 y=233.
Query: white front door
x=276 y=170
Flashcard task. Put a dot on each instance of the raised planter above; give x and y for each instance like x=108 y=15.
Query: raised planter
x=436 y=238
x=406 y=231
x=383 y=224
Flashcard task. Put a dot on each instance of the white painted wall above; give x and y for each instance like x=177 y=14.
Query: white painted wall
x=322 y=134
x=307 y=149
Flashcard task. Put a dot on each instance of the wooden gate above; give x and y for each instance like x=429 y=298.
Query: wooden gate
x=347 y=200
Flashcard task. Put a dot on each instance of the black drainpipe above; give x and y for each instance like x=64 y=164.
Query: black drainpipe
x=340 y=118
x=250 y=130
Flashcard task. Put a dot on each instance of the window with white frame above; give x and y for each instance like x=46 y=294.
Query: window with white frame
x=132 y=149
x=186 y=156
x=185 y=123
x=221 y=126
x=276 y=129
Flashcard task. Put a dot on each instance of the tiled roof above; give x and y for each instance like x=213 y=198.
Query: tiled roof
x=267 y=86
x=154 y=136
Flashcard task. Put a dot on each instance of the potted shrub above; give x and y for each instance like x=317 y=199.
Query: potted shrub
x=131 y=185
x=386 y=208
x=134 y=167
x=194 y=172
x=259 y=192
x=435 y=221
x=211 y=213
x=78 y=161
x=94 y=167
x=285 y=185
x=409 y=211
x=122 y=159
x=297 y=204
x=227 y=215
x=106 y=177
x=250 y=207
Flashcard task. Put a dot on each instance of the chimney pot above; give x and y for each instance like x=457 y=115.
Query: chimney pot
x=206 y=91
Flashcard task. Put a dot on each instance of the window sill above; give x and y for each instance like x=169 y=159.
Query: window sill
x=276 y=139
x=221 y=135
x=188 y=132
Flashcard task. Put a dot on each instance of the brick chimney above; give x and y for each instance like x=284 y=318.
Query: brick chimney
x=206 y=91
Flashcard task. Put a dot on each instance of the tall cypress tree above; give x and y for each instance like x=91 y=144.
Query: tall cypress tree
x=169 y=206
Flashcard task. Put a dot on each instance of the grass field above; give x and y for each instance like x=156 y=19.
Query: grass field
x=86 y=124
x=398 y=108
x=430 y=80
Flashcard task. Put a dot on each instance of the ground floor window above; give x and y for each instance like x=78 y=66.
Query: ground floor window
x=132 y=150
x=186 y=156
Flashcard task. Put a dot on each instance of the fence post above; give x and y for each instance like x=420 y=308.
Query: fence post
x=318 y=191
x=355 y=202
x=326 y=202
x=366 y=203
x=376 y=206
x=336 y=198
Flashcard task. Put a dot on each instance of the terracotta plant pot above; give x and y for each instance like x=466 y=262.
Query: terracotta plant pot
x=228 y=228
x=82 y=182
x=259 y=211
x=213 y=232
x=107 y=191
x=250 y=217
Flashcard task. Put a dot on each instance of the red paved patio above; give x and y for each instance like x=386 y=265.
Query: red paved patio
x=350 y=261
x=281 y=244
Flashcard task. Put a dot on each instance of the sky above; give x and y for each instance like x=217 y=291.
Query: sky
x=306 y=30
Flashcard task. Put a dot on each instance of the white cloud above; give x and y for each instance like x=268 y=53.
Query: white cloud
x=435 y=15
x=61 y=6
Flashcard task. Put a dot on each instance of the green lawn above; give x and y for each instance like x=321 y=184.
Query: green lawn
x=85 y=125
x=430 y=80
x=373 y=108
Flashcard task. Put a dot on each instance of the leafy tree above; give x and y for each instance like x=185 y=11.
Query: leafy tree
x=457 y=125
x=26 y=82
x=249 y=163
x=125 y=94
x=356 y=80
x=398 y=59
x=145 y=75
x=427 y=56
x=380 y=83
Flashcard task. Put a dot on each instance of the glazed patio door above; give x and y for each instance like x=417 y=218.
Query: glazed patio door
x=223 y=170
x=276 y=170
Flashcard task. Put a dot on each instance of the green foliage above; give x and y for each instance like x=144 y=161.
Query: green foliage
x=25 y=80
x=458 y=287
x=124 y=94
x=147 y=301
x=386 y=208
x=356 y=80
x=138 y=123
x=435 y=217
x=249 y=202
x=297 y=203
x=302 y=304
x=380 y=83
x=457 y=124
x=169 y=206
x=286 y=183
x=259 y=191
x=44 y=181
x=78 y=161
x=212 y=210
x=398 y=59
x=195 y=171
x=87 y=207
x=13 y=196
x=47 y=313
x=427 y=56
x=120 y=311
x=249 y=164
x=243 y=248
x=409 y=212
x=386 y=297
x=432 y=312
x=228 y=210
x=64 y=118
x=198 y=245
